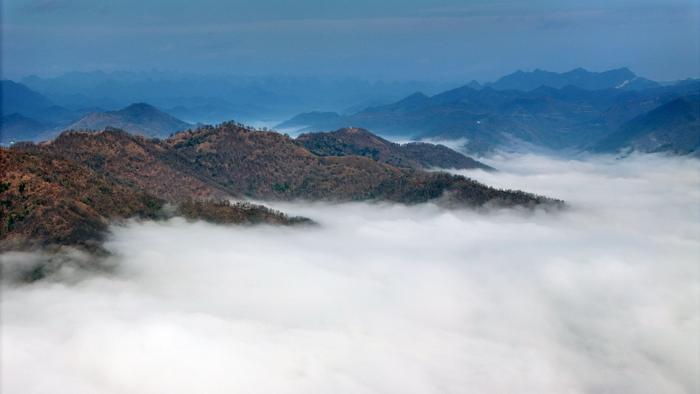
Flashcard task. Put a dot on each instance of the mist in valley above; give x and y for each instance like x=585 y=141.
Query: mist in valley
x=603 y=296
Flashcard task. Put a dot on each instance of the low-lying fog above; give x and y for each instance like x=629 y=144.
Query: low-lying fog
x=604 y=297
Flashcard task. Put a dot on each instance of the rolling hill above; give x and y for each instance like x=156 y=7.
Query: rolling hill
x=67 y=190
x=139 y=118
x=360 y=142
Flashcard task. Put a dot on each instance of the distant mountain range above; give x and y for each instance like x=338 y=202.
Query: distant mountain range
x=30 y=116
x=569 y=117
x=66 y=190
x=216 y=98
x=621 y=78
x=17 y=98
x=16 y=127
x=571 y=111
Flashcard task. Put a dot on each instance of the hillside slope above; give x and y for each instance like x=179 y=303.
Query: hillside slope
x=50 y=201
x=18 y=98
x=145 y=164
x=673 y=127
x=230 y=160
x=16 y=127
x=139 y=118
x=68 y=190
x=360 y=142
x=268 y=165
x=46 y=199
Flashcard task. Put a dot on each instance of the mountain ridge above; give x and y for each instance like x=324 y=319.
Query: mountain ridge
x=209 y=164
x=567 y=118
x=360 y=142
x=18 y=98
x=620 y=78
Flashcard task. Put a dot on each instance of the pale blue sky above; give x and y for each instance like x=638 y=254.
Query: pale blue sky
x=382 y=39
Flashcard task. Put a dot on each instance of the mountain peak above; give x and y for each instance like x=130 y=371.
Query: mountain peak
x=414 y=100
x=415 y=97
x=474 y=84
x=624 y=69
x=17 y=97
x=139 y=118
x=140 y=108
x=622 y=72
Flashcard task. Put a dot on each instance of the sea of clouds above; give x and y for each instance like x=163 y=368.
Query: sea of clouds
x=380 y=298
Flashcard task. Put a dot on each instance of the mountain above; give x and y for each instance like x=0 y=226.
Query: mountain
x=47 y=200
x=28 y=115
x=139 y=118
x=231 y=160
x=216 y=98
x=621 y=78
x=310 y=118
x=567 y=118
x=225 y=212
x=672 y=127
x=430 y=156
x=25 y=113
x=18 y=98
x=133 y=160
x=474 y=85
x=268 y=165
x=360 y=142
x=67 y=190
x=15 y=127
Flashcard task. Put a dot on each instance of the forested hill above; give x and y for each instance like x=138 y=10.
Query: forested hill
x=66 y=191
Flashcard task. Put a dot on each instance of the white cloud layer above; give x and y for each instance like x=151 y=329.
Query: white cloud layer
x=604 y=297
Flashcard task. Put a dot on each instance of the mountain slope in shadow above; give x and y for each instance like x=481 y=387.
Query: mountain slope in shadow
x=138 y=118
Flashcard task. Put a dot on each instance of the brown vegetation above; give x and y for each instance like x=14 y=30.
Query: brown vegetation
x=360 y=142
x=49 y=200
x=225 y=212
x=68 y=190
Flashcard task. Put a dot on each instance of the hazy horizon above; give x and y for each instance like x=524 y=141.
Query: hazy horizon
x=443 y=83
x=445 y=40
